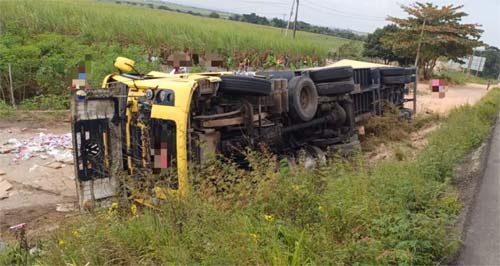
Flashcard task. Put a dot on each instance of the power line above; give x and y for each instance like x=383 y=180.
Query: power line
x=265 y=2
x=344 y=12
x=296 y=15
x=289 y=18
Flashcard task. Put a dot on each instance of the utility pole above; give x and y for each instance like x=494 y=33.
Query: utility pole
x=296 y=14
x=415 y=84
x=284 y=17
x=289 y=18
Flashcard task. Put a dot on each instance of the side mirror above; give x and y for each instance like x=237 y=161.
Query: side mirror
x=124 y=64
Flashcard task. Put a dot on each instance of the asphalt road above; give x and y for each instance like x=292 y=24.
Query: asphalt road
x=482 y=232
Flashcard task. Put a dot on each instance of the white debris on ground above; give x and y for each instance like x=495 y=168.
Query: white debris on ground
x=5 y=186
x=43 y=145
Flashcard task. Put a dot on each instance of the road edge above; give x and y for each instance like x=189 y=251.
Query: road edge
x=476 y=179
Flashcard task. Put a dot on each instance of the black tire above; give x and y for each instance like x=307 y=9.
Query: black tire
x=396 y=71
x=411 y=71
x=330 y=74
x=303 y=98
x=277 y=74
x=335 y=88
x=396 y=80
x=242 y=85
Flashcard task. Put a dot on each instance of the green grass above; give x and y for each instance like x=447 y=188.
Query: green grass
x=460 y=78
x=158 y=30
x=398 y=212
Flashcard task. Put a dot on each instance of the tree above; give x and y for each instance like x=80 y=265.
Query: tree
x=492 y=63
x=214 y=15
x=373 y=46
x=164 y=8
x=443 y=34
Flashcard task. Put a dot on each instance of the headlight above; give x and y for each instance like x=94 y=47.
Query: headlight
x=165 y=97
x=150 y=94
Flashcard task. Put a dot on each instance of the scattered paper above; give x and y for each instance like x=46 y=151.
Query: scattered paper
x=42 y=145
x=5 y=186
x=65 y=207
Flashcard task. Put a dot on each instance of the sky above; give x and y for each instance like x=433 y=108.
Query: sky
x=357 y=15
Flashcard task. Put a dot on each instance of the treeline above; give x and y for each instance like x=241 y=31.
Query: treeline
x=261 y=20
x=301 y=25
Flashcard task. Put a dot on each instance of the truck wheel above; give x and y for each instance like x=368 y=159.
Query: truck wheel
x=277 y=74
x=303 y=98
x=411 y=71
x=242 y=85
x=395 y=71
x=330 y=74
x=335 y=88
x=396 y=79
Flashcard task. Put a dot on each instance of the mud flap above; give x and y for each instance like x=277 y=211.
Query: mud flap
x=97 y=134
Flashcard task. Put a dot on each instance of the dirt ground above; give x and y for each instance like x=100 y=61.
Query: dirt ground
x=40 y=196
x=456 y=95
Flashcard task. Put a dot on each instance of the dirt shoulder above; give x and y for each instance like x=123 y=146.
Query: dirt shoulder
x=456 y=95
x=38 y=189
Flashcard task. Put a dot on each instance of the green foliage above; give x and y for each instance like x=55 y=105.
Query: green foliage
x=444 y=34
x=45 y=41
x=5 y=109
x=465 y=129
x=45 y=63
x=492 y=63
x=348 y=51
x=374 y=48
x=460 y=78
x=196 y=69
x=13 y=255
x=301 y=25
x=398 y=212
x=214 y=15
x=155 y=29
x=46 y=102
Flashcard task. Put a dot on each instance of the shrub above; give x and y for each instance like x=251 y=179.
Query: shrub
x=5 y=109
x=46 y=102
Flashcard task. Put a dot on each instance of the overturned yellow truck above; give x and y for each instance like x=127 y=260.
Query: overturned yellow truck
x=158 y=124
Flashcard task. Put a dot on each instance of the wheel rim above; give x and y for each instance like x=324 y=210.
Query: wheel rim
x=305 y=98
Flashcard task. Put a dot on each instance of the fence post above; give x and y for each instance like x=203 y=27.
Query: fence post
x=13 y=100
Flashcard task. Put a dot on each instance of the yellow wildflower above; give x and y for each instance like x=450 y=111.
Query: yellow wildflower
x=296 y=187
x=76 y=233
x=269 y=218
x=61 y=243
x=133 y=209
x=113 y=208
x=254 y=237
x=320 y=208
